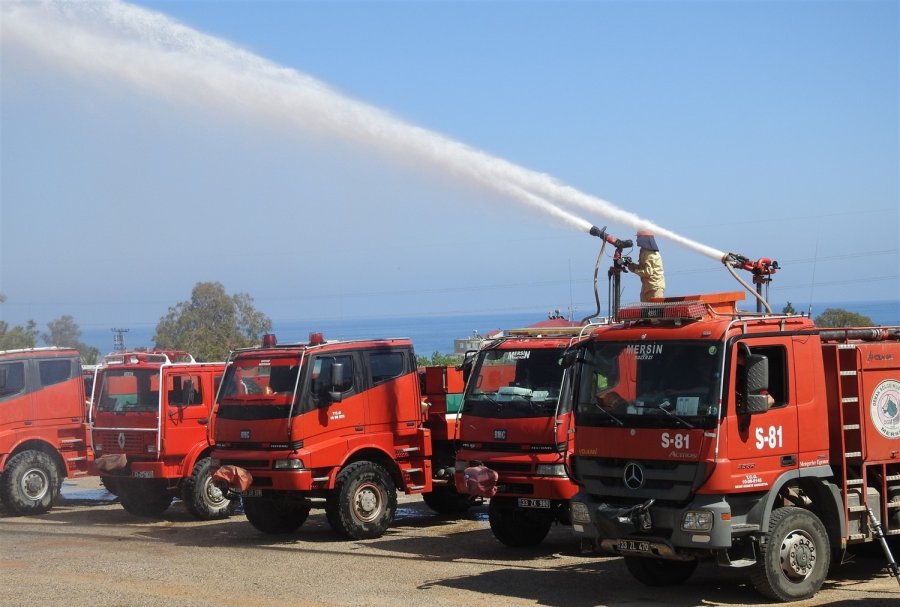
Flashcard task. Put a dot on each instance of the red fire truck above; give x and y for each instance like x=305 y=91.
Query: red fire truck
x=755 y=440
x=516 y=422
x=150 y=417
x=43 y=428
x=339 y=425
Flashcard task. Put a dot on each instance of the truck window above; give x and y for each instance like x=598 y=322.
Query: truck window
x=185 y=390
x=321 y=382
x=13 y=376
x=384 y=366
x=778 y=384
x=54 y=371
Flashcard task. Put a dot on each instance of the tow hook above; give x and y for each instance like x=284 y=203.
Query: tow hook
x=640 y=516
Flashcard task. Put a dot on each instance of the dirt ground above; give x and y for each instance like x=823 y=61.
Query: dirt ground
x=89 y=552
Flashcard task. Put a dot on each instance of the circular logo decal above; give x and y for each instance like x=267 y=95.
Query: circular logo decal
x=884 y=408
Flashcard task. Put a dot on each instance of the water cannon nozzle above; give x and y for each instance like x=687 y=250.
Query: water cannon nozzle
x=595 y=231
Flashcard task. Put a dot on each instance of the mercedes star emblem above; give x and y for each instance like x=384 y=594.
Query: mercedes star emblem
x=633 y=476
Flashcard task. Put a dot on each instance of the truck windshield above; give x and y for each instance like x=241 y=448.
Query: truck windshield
x=649 y=384
x=514 y=383
x=269 y=381
x=129 y=390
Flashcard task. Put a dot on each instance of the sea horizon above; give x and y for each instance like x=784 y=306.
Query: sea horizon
x=436 y=332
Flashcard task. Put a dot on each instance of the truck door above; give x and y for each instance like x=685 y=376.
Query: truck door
x=16 y=400
x=761 y=446
x=335 y=406
x=56 y=399
x=393 y=398
x=186 y=408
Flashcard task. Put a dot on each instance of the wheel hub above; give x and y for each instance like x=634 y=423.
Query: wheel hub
x=214 y=495
x=35 y=484
x=367 y=502
x=798 y=555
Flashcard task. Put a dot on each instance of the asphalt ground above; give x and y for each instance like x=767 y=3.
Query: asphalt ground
x=89 y=552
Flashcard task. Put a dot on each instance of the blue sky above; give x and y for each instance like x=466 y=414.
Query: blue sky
x=769 y=129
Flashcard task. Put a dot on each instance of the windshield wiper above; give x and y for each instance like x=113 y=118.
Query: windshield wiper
x=599 y=405
x=661 y=407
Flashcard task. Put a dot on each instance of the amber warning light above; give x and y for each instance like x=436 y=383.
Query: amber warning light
x=316 y=339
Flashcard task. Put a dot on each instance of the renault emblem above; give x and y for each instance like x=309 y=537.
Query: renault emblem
x=121 y=440
x=633 y=476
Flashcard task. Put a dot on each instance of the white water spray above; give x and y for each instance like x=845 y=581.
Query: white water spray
x=156 y=54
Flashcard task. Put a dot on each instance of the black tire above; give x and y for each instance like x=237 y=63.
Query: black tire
x=659 y=572
x=201 y=497
x=795 y=556
x=518 y=527
x=147 y=498
x=110 y=483
x=445 y=499
x=275 y=516
x=364 y=501
x=30 y=483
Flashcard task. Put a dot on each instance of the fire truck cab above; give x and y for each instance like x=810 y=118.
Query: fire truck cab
x=43 y=426
x=517 y=421
x=758 y=441
x=333 y=425
x=151 y=414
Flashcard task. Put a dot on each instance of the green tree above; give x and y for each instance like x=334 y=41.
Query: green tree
x=18 y=336
x=64 y=332
x=788 y=309
x=838 y=317
x=437 y=360
x=212 y=323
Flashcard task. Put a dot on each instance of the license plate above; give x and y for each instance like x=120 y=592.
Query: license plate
x=529 y=502
x=252 y=493
x=632 y=546
x=143 y=474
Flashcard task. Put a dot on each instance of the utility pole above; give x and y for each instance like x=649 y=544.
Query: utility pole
x=119 y=339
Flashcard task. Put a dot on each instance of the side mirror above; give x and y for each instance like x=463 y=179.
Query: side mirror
x=568 y=358
x=337 y=380
x=757 y=398
x=187 y=392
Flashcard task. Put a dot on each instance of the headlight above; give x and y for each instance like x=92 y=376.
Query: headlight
x=288 y=464
x=579 y=512
x=550 y=470
x=697 y=520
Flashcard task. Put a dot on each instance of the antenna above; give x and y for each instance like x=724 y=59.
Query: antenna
x=119 y=339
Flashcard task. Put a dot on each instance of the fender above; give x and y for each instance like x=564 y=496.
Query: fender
x=198 y=451
x=349 y=447
x=37 y=444
x=762 y=511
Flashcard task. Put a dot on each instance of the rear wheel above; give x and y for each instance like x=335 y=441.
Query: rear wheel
x=144 y=498
x=659 y=572
x=795 y=556
x=202 y=497
x=364 y=501
x=30 y=483
x=518 y=527
x=275 y=516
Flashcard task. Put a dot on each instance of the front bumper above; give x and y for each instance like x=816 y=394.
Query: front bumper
x=654 y=531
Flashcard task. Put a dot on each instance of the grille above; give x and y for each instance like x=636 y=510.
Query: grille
x=135 y=442
x=662 y=479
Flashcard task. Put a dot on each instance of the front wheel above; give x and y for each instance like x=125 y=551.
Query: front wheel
x=202 y=497
x=518 y=527
x=30 y=483
x=445 y=499
x=795 y=556
x=143 y=497
x=275 y=516
x=364 y=501
x=659 y=572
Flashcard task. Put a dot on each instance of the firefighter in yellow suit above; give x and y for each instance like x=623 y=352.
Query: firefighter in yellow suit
x=649 y=267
